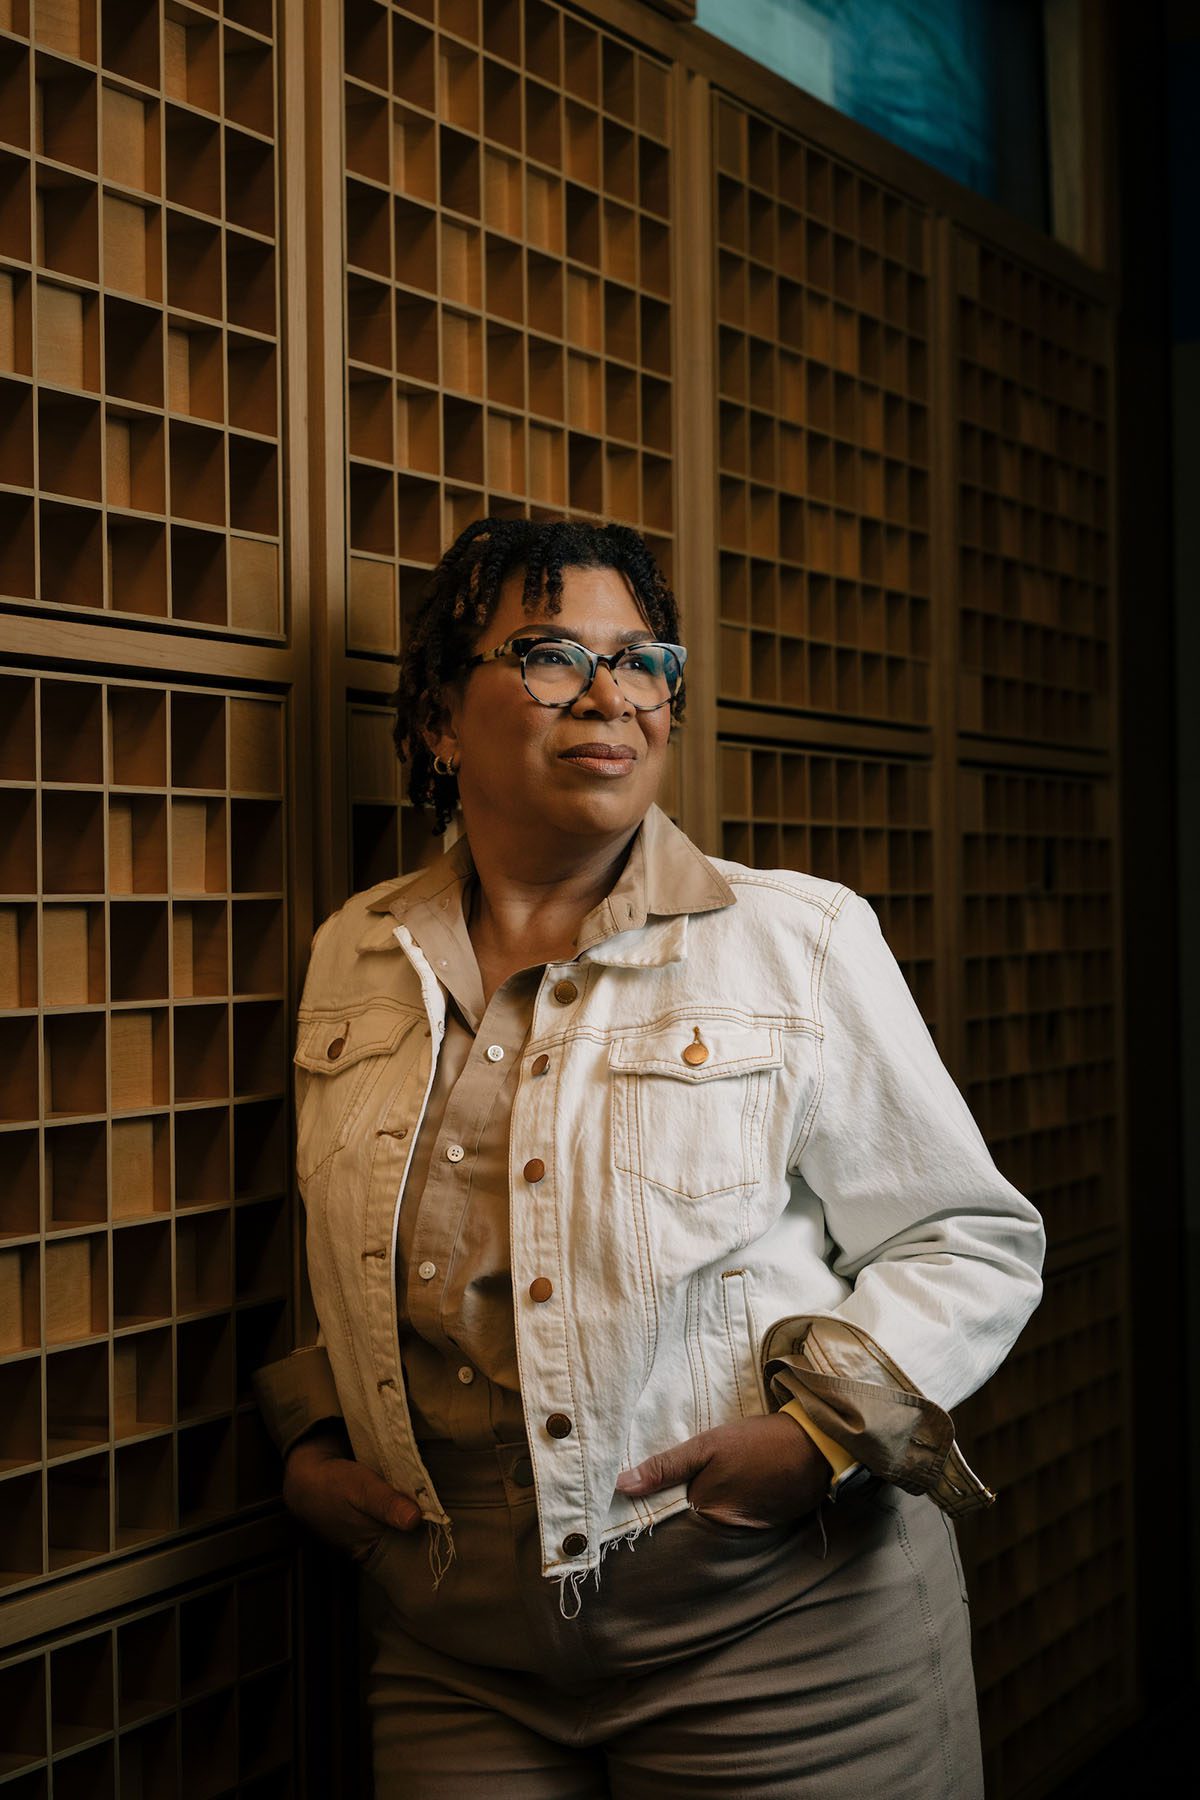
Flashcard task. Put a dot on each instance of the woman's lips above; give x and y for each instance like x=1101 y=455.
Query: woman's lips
x=600 y=759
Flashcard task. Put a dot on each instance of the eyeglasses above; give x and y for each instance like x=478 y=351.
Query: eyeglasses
x=556 y=671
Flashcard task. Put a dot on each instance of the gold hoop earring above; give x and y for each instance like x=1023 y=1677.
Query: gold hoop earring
x=442 y=767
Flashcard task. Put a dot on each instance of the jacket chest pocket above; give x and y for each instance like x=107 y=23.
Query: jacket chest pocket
x=690 y=1104
x=339 y=1058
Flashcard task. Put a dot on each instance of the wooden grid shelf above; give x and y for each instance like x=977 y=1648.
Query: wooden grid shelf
x=822 y=350
x=190 y=1698
x=508 y=286
x=1034 y=399
x=1049 y=1566
x=139 y=312
x=853 y=818
x=1040 y=970
x=387 y=834
x=144 y=1237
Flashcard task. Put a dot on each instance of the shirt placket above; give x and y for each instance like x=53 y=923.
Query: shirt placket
x=435 y=1275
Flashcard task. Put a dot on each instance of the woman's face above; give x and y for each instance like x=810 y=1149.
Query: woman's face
x=588 y=771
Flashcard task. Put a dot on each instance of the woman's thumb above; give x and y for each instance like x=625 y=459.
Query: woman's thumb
x=387 y=1504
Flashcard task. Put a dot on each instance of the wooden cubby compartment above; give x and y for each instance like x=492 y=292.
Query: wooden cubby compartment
x=199 y=581
x=130 y=139
x=260 y=1149
x=137 y=566
x=21 y=1412
x=20 y=1299
x=256 y=846
x=18 y=1059
x=76 y=1175
x=138 y=949
x=206 y=1491
x=253 y=385
x=140 y=1181
x=253 y=485
x=81 y=1681
x=262 y=1334
x=141 y=1274
x=258 y=947
x=20 y=1199
x=199 y=950
x=69 y=445
x=249 y=182
x=138 y=1052
x=16 y=434
x=193 y=265
x=203 y=1281
x=137 y=844
x=202 y=1176
x=133 y=351
x=255 y=746
x=18 y=956
x=198 y=851
x=147 y=1666
x=72 y=555
x=142 y=1385
x=17 y=548
x=145 y=1499
x=137 y=737
x=195 y=376
x=73 y=1049
x=192 y=60
x=197 y=741
x=258 y=1047
x=76 y=1278
x=261 y=1250
x=77 y=1414
x=77 y=1510
x=68 y=224
x=250 y=283
x=201 y=1052
x=205 y=1380
x=134 y=462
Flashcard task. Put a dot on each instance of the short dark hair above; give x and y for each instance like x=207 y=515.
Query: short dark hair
x=462 y=595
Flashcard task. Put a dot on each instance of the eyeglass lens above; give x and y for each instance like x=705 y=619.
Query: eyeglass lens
x=558 y=672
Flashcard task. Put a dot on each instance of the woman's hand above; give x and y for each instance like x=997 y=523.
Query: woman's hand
x=760 y=1472
x=342 y=1500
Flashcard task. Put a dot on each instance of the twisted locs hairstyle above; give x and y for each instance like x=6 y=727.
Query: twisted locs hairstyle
x=461 y=597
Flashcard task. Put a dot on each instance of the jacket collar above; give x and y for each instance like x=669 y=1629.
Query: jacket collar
x=642 y=923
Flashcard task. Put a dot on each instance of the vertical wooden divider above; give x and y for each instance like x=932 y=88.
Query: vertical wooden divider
x=696 y=560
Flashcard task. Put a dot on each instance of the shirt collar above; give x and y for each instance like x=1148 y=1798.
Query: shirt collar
x=642 y=922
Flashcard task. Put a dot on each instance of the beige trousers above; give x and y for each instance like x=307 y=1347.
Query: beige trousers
x=709 y=1660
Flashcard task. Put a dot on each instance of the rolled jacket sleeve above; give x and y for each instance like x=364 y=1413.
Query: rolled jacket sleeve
x=296 y=1393
x=944 y=1253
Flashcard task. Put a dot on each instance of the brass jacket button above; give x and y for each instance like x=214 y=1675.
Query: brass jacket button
x=574 y=1544
x=564 y=992
x=335 y=1049
x=534 y=1169
x=540 y=1065
x=541 y=1289
x=559 y=1426
x=522 y=1472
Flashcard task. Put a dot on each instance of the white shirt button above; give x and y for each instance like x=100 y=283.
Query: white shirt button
x=427 y=1270
x=495 y=1053
x=454 y=1153
x=466 y=1375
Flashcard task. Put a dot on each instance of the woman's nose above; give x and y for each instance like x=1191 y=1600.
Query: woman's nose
x=604 y=696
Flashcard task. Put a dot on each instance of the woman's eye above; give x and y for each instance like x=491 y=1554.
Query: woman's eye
x=642 y=661
x=547 y=656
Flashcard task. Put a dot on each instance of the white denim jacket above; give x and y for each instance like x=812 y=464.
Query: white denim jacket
x=809 y=1209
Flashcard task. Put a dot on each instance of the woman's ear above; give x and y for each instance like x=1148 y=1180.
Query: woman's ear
x=439 y=735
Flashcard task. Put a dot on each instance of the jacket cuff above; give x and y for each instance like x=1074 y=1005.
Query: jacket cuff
x=296 y=1393
x=856 y=1394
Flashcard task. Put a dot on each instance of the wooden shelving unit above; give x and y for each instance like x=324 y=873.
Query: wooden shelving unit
x=508 y=286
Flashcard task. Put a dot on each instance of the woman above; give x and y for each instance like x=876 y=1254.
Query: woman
x=651 y=1242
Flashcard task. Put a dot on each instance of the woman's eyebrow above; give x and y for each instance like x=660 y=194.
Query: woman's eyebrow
x=644 y=636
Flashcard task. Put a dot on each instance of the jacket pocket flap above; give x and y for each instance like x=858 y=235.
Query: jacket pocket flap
x=732 y=1048
x=330 y=1040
